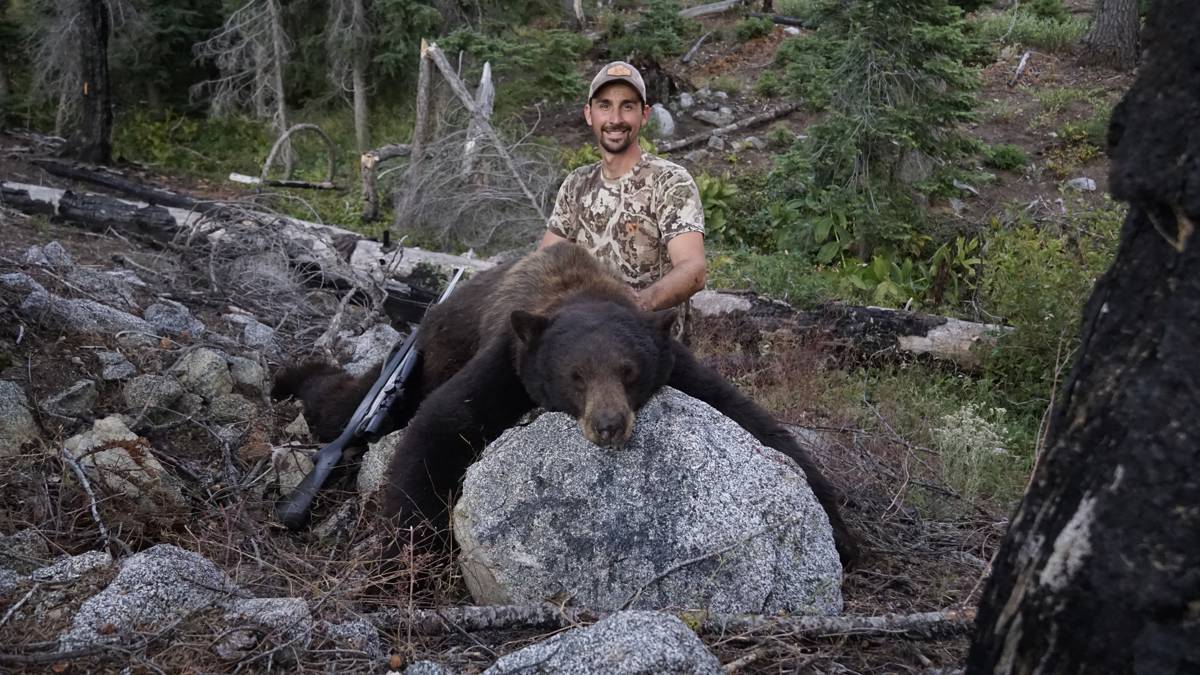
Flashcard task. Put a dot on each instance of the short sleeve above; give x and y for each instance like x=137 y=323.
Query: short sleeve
x=564 y=221
x=680 y=210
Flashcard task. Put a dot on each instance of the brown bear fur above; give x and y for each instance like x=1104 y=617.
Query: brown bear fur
x=557 y=330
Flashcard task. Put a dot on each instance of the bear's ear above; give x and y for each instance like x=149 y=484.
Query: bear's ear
x=528 y=327
x=662 y=320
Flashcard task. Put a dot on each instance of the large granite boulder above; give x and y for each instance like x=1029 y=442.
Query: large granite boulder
x=693 y=512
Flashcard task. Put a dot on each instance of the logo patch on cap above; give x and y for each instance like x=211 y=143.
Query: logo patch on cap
x=618 y=71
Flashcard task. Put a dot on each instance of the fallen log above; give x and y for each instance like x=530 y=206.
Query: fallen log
x=711 y=8
x=922 y=626
x=112 y=180
x=874 y=332
x=695 y=47
x=272 y=182
x=782 y=20
x=774 y=113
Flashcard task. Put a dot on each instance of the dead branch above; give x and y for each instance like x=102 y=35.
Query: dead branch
x=369 y=170
x=754 y=120
x=485 y=99
x=711 y=8
x=921 y=626
x=112 y=179
x=271 y=182
x=433 y=52
x=1012 y=82
x=695 y=47
x=781 y=19
x=282 y=142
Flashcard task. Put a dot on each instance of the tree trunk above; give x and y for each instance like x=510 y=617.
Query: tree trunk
x=362 y=131
x=1100 y=570
x=92 y=139
x=1113 y=39
x=279 y=58
x=3 y=92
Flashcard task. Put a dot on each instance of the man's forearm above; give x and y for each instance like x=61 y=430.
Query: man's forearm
x=679 y=284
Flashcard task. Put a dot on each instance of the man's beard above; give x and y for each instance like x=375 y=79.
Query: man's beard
x=617 y=147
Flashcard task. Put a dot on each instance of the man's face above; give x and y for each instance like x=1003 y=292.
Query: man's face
x=616 y=115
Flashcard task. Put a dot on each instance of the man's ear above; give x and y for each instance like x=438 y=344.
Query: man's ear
x=662 y=320
x=587 y=114
x=528 y=327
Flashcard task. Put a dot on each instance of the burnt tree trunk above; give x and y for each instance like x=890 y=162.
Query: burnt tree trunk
x=92 y=140
x=1112 y=40
x=1100 y=570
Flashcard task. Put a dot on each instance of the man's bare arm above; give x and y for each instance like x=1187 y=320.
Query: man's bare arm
x=686 y=277
x=549 y=239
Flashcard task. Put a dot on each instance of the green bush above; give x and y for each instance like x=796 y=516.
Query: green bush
x=1030 y=30
x=1038 y=280
x=659 y=33
x=1049 y=9
x=769 y=84
x=528 y=64
x=779 y=135
x=785 y=276
x=1006 y=157
x=753 y=27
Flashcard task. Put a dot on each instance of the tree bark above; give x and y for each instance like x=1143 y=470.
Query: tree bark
x=92 y=139
x=279 y=58
x=4 y=93
x=1113 y=39
x=1100 y=570
x=358 y=75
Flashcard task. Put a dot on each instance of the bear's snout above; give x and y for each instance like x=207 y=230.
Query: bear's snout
x=609 y=429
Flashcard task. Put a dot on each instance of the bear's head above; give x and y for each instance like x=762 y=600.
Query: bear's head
x=598 y=362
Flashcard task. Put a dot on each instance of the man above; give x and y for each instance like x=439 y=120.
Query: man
x=637 y=213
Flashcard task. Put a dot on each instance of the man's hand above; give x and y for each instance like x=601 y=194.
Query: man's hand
x=688 y=274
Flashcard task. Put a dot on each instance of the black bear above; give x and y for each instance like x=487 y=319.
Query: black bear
x=556 y=330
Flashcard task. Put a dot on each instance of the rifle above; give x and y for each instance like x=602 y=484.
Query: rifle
x=364 y=425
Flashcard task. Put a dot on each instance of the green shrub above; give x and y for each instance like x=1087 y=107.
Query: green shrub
x=658 y=34
x=1038 y=280
x=785 y=276
x=581 y=156
x=1006 y=157
x=716 y=194
x=779 y=135
x=726 y=83
x=753 y=27
x=769 y=84
x=1049 y=9
x=528 y=64
x=1026 y=28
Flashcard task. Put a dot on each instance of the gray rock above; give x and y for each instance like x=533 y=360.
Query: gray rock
x=544 y=511
x=172 y=318
x=375 y=462
x=431 y=668
x=696 y=155
x=1083 y=184
x=662 y=118
x=791 y=31
x=686 y=102
x=914 y=167
x=23 y=551
x=75 y=401
x=153 y=588
x=291 y=465
x=957 y=205
x=725 y=110
x=297 y=429
x=76 y=316
x=9 y=581
x=720 y=95
x=716 y=143
x=231 y=408
x=755 y=142
x=704 y=93
x=109 y=288
x=149 y=393
x=52 y=255
x=356 y=634
x=72 y=568
x=714 y=117
x=123 y=462
x=713 y=303
x=286 y=621
x=204 y=371
x=369 y=350
x=626 y=643
x=17 y=426
x=115 y=366
x=189 y=405
x=249 y=374
x=255 y=334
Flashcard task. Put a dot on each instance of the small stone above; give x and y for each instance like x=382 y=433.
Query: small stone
x=375 y=462
x=75 y=401
x=370 y=349
x=23 y=551
x=686 y=101
x=72 y=568
x=291 y=465
x=231 y=408
x=9 y=581
x=430 y=668
x=716 y=143
x=248 y=373
x=1083 y=184
x=298 y=430
x=696 y=155
x=255 y=334
x=151 y=392
x=720 y=95
x=755 y=142
x=713 y=117
x=725 y=110
x=357 y=634
x=957 y=205
x=661 y=117
x=115 y=366
x=204 y=371
x=124 y=462
x=17 y=426
x=791 y=31
x=189 y=405
x=172 y=318
x=52 y=255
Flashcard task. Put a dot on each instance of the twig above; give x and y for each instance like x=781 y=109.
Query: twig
x=87 y=487
x=17 y=605
x=921 y=626
x=1020 y=69
x=692 y=52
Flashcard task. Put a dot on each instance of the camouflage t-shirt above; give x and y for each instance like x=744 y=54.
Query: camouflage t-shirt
x=626 y=223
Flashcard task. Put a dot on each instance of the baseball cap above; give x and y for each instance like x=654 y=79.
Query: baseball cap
x=618 y=71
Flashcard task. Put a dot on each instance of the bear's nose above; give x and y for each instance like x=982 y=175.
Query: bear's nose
x=610 y=428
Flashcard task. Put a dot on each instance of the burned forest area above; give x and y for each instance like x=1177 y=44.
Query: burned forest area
x=950 y=250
